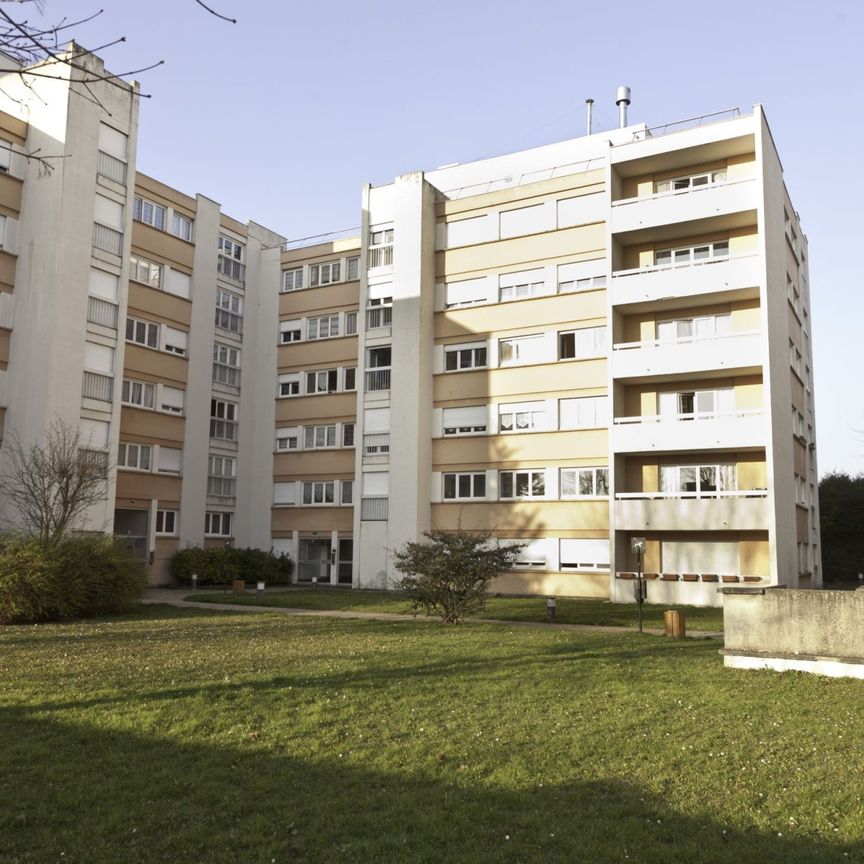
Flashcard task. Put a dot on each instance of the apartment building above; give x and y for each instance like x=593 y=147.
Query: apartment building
x=571 y=346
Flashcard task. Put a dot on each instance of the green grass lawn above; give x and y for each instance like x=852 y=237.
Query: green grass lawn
x=181 y=735
x=569 y=611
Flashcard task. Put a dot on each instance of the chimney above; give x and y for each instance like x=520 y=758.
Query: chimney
x=622 y=101
x=589 y=105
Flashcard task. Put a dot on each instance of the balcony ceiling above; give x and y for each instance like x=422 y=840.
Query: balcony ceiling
x=682 y=155
x=693 y=228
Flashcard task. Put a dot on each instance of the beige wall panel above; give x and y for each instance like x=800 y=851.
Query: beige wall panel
x=156 y=305
x=537 y=247
x=798 y=398
x=754 y=557
x=587 y=182
x=571 y=308
x=752 y=471
x=149 y=187
x=318 y=354
x=231 y=224
x=737 y=167
x=642 y=327
x=551 y=584
x=802 y=524
x=321 y=519
x=305 y=409
x=548 y=379
x=320 y=252
x=642 y=398
x=525 y=516
x=308 y=464
x=642 y=474
x=5 y=343
x=8 y=264
x=141 y=487
x=166 y=367
x=749 y=392
x=295 y=304
x=800 y=455
x=162 y=245
x=155 y=426
x=748 y=540
x=10 y=195
x=13 y=128
x=589 y=447
x=741 y=242
x=795 y=330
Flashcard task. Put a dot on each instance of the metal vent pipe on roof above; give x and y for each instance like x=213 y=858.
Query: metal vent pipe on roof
x=589 y=105
x=622 y=101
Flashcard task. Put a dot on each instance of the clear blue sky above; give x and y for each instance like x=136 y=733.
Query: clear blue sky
x=283 y=116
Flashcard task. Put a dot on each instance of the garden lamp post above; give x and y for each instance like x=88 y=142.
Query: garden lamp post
x=637 y=544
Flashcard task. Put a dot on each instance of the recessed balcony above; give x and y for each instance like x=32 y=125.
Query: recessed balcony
x=742 y=429
x=687 y=356
x=690 y=205
x=741 y=510
x=726 y=277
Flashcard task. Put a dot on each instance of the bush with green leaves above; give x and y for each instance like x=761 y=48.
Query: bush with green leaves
x=219 y=566
x=75 y=576
x=449 y=573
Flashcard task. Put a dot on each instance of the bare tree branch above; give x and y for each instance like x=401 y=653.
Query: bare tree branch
x=215 y=13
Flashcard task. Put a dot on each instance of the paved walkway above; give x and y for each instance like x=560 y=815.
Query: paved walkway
x=174 y=597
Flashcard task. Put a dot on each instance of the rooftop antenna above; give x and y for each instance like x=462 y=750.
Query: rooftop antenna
x=589 y=106
x=622 y=101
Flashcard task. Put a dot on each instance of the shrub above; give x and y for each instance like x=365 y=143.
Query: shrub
x=76 y=576
x=449 y=574
x=218 y=566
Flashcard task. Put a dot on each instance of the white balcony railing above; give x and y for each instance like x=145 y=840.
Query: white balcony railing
x=225 y=430
x=378 y=379
x=376 y=444
x=670 y=419
x=740 y=510
x=379 y=316
x=702 y=430
x=102 y=312
x=374 y=509
x=107 y=239
x=111 y=167
x=100 y=387
x=231 y=268
x=718 y=493
x=380 y=256
x=230 y=321
x=221 y=487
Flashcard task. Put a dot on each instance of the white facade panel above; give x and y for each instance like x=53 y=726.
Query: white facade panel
x=99 y=358
x=109 y=212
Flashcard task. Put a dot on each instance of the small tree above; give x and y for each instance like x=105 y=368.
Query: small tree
x=448 y=575
x=52 y=484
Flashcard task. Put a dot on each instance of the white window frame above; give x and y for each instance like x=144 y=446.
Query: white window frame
x=315 y=391
x=321 y=437
x=150 y=213
x=469 y=353
x=593 y=473
x=230 y=248
x=220 y=409
x=288 y=385
x=685 y=256
x=290 y=331
x=292 y=280
x=318 y=489
x=515 y=418
x=674 y=473
x=599 y=410
x=226 y=363
x=167 y=523
x=325 y=273
x=322 y=327
x=595 y=335
x=132 y=456
x=474 y=478
x=149 y=329
x=534 y=474
x=135 y=392
x=287 y=439
x=145 y=271
x=522 y=345
x=346 y=493
x=181 y=226
x=218 y=523
x=690 y=182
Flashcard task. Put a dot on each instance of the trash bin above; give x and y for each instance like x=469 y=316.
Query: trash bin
x=673 y=620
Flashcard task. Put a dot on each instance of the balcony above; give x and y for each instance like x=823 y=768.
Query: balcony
x=741 y=510
x=693 y=355
x=742 y=429
x=224 y=430
x=379 y=316
x=231 y=268
x=376 y=444
x=377 y=379
x=99 y=387
x=731 y=276
x=111 y=167
x=107 y=239
x=374 y=509
x=230 y=321
x=380 y=256
x=102 y=312
x=669 y=208
x=221 y=487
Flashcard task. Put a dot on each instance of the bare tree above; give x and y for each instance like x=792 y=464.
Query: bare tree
x=52 y=484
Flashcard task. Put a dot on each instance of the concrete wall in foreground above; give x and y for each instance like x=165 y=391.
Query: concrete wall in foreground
x=815 y=631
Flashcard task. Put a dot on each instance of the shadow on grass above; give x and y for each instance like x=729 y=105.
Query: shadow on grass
x=87 y=794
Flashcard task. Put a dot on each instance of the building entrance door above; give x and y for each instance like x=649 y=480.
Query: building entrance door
x=131 y=527
x=314 y=563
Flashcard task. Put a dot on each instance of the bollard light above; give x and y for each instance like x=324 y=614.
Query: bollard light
x=551 y=604
x=194 y=581
x=259 y=589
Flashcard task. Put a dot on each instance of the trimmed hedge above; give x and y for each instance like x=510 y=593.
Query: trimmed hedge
x=219 y=566
x=77 y=576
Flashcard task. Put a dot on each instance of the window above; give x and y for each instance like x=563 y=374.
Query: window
x=286 y=439
x=141 y=393
x=181 y=226
x=522 y=484
x=142 y=332
x=522 y=349
x=324 y=274
x=229 y=311
x=464 y=357
x=584 y=554
x=380 y=248
x=585 y=412
x=464 y=486
x=169 y=460
x=584 y=482
x=136 y=456
x=322 y=328
x=698 y=481
x=323 y=381
x=166 y=522
x=284 y=493
x=226 y=364
x=223 y=420
x=217 y=524
x=522 y=417
x=290 y=331
x=518 y=286
x=379 y=312
x=697 y=327
x=230 y=248
x=149 y=213
x=220 y=476
x=230 y=260
x=347 y=491
x=466 y=292
x=347 y=434
x=525 y=220
x=174 y=341
x=350 y=323
x=351 y=378
x=178 y=283
x=691 y=254
x=171 y=399
x=318 y=493
x=289 y=385
x=6 y=150
x=316 y=437
x=582 y=276
x=352 y=268
x=585 y=342
x=696 y=404
x=147 y=272
x=292 y=280
x=471 y=420
x=694 y=181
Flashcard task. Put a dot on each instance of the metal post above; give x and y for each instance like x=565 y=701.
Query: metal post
x=550 y=609
x=641 y=585
x=194 y=581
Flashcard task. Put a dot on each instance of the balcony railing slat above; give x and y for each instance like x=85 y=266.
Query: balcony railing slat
x=379 y=316
x=374 y=509
x=376 y=444
x=380 y=256
x=102 y=312
x=378 y=379
x=111 y=167
x=107 y=239
x=97 y=386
